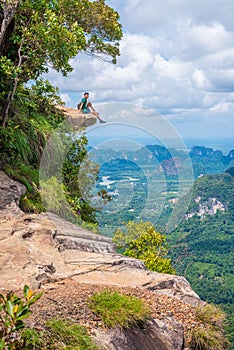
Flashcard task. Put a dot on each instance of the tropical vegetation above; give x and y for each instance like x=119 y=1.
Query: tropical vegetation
x=140 y=240
x=37 y=36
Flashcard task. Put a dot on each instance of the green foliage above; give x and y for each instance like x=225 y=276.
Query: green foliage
x=203 y=247
x=79 y=176
x=74 y=336
x=207 y=339
x=142 y=241
x=31 y=200
x=24 y=137
x=57 y=335
x=53 y=194
x=31 y=338
x=23 y=140
x=211 y=315
x=209 y=335
x=13 y=310
x=119 y=310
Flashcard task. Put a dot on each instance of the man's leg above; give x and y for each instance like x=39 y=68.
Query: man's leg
x=97 y=116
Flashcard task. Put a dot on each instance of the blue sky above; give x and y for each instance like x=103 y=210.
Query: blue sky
x=177 y=59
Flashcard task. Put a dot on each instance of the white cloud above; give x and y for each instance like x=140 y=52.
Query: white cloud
x=222 y=107
x=65 y=98
x=200 y=80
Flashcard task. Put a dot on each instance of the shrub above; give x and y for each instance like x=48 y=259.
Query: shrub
x=140 y=240
x=13 y=310
x=119 y=310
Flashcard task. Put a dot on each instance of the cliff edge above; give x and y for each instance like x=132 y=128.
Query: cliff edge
x=76 y=118
x=45 y=251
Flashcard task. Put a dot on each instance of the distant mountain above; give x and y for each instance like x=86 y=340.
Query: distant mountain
x=208 y=161
x=204 y=160
x=230 y=171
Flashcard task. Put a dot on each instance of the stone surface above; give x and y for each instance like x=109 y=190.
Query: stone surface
x=10 y=193
x=41 y=248
x=76 y=118
x=164 y=334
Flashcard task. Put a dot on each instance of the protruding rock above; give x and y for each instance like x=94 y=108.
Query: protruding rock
x=76 y=118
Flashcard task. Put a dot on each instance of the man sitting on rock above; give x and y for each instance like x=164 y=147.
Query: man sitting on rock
x=86 y=107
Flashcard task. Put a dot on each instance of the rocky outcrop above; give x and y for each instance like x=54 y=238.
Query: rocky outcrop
x=39 y=249
x=76 y=118
x=42 y=248
x=10 y=193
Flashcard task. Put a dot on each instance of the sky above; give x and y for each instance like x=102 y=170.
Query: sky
x=177 y=59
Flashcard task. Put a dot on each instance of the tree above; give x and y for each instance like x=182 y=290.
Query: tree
x=142 y=241
x=36 y=35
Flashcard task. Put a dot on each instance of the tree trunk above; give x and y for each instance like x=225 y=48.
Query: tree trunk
x=11 y=93
x=9 y=9
x=10 y=98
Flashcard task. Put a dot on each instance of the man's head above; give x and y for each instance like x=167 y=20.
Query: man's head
x=86 y=94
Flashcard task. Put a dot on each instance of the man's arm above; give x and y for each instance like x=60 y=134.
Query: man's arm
x=81 y=105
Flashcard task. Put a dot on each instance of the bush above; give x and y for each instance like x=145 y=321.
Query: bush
x=13 y=310
x=140 y=240
x=119 y=310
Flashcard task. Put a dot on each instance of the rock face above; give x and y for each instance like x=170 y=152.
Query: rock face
x=38 y=249
x=156 y=335
x=76 y=118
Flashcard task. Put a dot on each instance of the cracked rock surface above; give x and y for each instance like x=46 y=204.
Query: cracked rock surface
x=38 y=249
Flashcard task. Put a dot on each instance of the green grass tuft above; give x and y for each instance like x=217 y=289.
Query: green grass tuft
x=119 y=310
x=209 y=335
x=32 y=339
x=210 y=314
x=74 y=336
x=207 y=338
x=57 y=335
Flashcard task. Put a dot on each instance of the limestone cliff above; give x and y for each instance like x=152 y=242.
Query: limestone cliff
x=43 y=250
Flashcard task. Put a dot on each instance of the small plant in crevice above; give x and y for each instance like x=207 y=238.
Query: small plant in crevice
x=119 y=310
x=57 y=334
x=72 y=335
x=32 y=339
x=209 y=333
x=13 y=310
x=140 y=240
